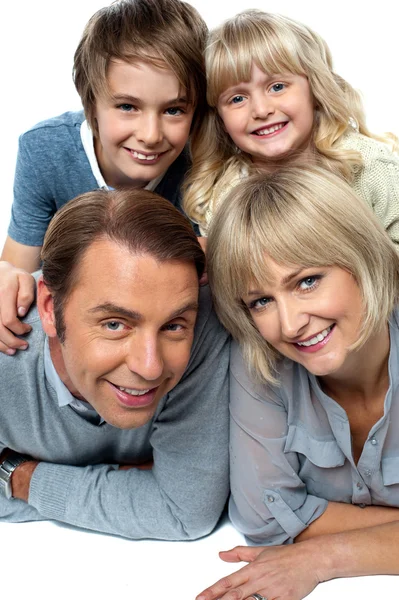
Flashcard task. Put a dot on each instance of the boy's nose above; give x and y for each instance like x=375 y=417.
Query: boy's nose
x=149 y=130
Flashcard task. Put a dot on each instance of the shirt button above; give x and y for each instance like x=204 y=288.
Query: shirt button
x=373 y=441
x=359 y=485
x=270 y=499
x=361 y=505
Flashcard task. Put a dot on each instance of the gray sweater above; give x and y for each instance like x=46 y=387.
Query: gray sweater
x=78 y=481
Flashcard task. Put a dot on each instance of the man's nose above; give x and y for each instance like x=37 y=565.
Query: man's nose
x=144 y=357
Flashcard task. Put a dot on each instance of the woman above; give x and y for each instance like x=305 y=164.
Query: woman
x=307 y=281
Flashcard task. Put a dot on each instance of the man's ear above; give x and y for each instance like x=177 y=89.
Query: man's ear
x=45 y=305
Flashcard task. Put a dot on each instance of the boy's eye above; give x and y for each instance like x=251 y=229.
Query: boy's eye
x=126 y=107
x=174 y=111
x=277 y=87
x=237 y=99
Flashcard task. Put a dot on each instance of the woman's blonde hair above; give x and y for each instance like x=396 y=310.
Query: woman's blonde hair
x=276 y=44
x=298 y=216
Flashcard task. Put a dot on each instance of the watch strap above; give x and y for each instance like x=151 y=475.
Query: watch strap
x=7 y=468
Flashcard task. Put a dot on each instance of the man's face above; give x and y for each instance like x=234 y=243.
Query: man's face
x=129 y=326
x=144 y=126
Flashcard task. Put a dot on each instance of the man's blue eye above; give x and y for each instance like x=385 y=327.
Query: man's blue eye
x=113 y=325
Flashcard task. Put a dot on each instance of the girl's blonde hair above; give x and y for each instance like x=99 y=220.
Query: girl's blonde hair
x=297 y=216
x=276 y=44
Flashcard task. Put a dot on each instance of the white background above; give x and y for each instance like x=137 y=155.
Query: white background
x=38 y=40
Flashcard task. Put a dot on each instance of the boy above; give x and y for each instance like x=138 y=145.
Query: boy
x=139 y=72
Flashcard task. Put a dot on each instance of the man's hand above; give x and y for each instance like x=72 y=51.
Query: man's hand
x=284 y=572
x=17 y=291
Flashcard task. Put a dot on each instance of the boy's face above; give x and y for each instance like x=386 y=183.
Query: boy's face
x=144 y=126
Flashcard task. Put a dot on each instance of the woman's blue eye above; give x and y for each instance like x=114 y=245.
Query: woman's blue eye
x=277 y=87
x=308 y=282
x=259 y=303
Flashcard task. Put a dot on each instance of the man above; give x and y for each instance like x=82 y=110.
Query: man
x=115 y=419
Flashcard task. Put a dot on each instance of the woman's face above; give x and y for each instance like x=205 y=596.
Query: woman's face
x=311 y=315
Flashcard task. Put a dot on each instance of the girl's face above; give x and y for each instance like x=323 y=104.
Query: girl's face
x=311 y=315
x=269 y=116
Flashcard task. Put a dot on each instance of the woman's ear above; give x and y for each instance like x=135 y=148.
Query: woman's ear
x=45 y=305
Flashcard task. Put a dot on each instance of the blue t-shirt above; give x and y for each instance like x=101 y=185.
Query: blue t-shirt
x=52 y=168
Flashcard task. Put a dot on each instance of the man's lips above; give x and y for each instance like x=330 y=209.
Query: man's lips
x=134 y=397
x=270 y=129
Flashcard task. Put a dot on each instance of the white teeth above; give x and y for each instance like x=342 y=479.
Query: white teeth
x=317 y=338
x=270 y=129
x=144 y=156
x=133 y=392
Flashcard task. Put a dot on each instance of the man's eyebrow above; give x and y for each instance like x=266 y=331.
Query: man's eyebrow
x=133 y=100
x=114 y=309
x=108 y=307
x=190 y=306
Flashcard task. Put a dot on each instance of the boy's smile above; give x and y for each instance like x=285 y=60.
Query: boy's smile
x=143 y=126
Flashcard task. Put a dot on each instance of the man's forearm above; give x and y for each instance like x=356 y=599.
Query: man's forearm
x=20 y=479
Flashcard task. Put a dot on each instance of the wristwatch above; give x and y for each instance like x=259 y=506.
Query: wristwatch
x=7 y=468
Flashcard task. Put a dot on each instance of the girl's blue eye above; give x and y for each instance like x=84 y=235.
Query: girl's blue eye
x=237 y=99
x=278 y=87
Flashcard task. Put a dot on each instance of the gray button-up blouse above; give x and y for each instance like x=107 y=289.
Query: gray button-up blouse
x=291 y=451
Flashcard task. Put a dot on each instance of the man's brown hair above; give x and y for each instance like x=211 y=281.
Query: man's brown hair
x=167 y=33
x=137 y=219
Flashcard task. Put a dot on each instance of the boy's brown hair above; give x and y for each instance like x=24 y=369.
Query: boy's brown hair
x=160 y=32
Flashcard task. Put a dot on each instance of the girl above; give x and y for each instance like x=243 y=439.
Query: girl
x=273 y=96
x=307 y=281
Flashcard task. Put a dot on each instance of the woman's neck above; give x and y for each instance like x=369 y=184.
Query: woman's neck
x=365 y=373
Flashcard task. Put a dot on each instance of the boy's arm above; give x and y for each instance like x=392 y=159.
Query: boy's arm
x=17 y=291
x=21 y=256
